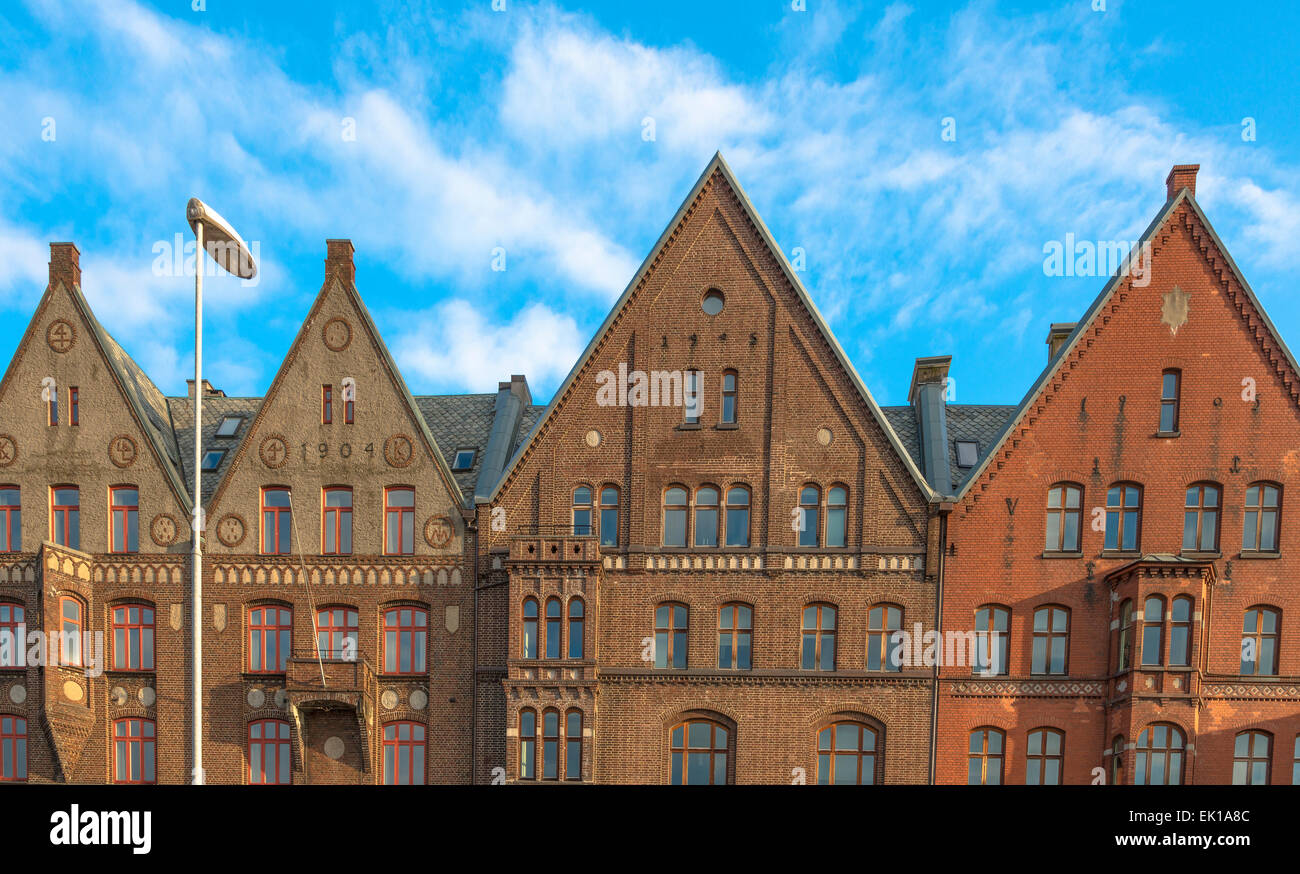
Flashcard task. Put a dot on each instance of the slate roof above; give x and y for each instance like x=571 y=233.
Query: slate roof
x=459 y=422
x=982 y=423
x=215 y=408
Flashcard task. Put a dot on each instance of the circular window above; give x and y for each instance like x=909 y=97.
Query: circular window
x=712 y=303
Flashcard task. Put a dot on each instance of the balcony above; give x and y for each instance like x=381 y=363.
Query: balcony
x=349 y=684
x=553 y=544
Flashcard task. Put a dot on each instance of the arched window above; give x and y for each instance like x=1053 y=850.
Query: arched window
x=11 y=519
x=573 y=745
x=1180 y=631
x=1153 y=630
x=837 y=516
x=577 y=622
x=550 y=744
x=336 y=522
x=13 y=635
x=1044 y=757
x=133 y=636
x=268 y=753
x=1260 y=630
x=735 y=636
x=529 y=642
x=846 y=754
x=810 y=497
x=609 y=516
x=1201 y=518
x=13 y=748
x=1064 y=515
x=65 y=516
x=1159 y=759
x=277 y=522
x=817 y=638
x=133 y=751
x=1126 y=634
x=1123 y=517
x=1117 y=761
x=399 y=521
x=984 y=757
x=527 y=744
x=992 y=640
x=1051 y=640
x=270 y=636
x=404 y=754
x=1170 y=390
x=70 y=625
x=675 y=516
x=699 y=749
x=884 y=650
x=729 y=389
x=738 y=516
x=670 y=635
x=1252 y=755
x=706 y=516
x=582 y=511
x=336 y=633
x=553 y=623
x=406 y=636
x=124 y=519
x=1259 y=532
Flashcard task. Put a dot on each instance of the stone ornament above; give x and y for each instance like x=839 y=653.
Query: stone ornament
x=147 y=696
x=592 y=438
x=163 y=529
x=438 y=531
x=256 y=698
x=61 y=335
x=281 y=699
x=72 y=690
x=419 y=699
x=122 y=451
x=8 y=450
x=231 y=530
x=18 y=693
x=388 y=699
x=334 y=747
x=824 y=436
x=117 y=695
x=337 y=335
x=1174 y=310
x=274 y=451
x=399 y=451
x=451 y=618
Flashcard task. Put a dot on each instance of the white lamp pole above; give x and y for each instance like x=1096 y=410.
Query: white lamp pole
x=228 y=249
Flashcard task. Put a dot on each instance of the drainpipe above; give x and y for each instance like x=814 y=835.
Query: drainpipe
x=938 y=628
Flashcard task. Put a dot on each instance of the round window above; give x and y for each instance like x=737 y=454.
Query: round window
x=713 y=301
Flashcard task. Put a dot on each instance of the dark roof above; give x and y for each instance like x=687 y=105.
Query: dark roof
x=459 y=422
x=215 y=408
x=982 y=423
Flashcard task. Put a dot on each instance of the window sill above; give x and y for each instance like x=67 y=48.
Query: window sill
x=1199 y=554
x=689 y=426
x=1163 y=435
x=1121 y=553
x=726 y=426
x=1256 y=555
x=1057 y=554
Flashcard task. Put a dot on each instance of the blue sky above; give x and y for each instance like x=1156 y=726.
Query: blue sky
x=525 y=129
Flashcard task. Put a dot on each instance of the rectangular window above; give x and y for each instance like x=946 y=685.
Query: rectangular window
x=124 y=519
x=1201 y=519
x=728 y=416
x=70 y=632
x=54 y=406
x=65 y=516
x=270 y=632
x=1123 y=517
x=326 y=404
x=13 y=635
x=133 y=636
x=735 y=637
x=229 y=426
x=399 y=521
x=1170 y=387
x=405 y=640
x=404 y=754
x=133 y=751
x=268 y=753
x=692 y=397
x=74 y=404
x=13 y=749
x=337 y=522
x=1259 y=532
x=277 y=522
x=336 y=633
x=967 y=453
x=212 y=459
x=11 y=519
x=464 y=459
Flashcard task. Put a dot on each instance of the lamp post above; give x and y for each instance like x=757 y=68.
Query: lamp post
x=218 y=239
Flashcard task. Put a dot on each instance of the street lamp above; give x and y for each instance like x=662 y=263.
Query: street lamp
x=230 y=251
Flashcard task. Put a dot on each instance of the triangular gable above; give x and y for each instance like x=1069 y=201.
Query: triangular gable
x=717 y=165
x=349 y=289
x=1284 y=365
x=146 y=403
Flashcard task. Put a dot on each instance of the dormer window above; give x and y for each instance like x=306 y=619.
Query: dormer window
x=967 y=453
x=229 y=426
x=464 y=459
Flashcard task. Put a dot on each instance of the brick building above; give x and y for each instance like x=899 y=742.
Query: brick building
x=688 y=566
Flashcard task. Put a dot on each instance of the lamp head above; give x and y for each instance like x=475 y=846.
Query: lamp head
x=220 y=240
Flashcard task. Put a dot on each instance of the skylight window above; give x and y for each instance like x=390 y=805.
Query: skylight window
x=967 y=453
x=212 y=459
x=229 y=426
x=464 y=459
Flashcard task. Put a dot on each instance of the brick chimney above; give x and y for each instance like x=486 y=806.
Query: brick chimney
x=65 y=264
x=1057 y=334
x=338 y=260
x=1182 y=176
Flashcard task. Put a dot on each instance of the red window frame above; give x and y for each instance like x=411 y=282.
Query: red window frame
x=271 y=544
x=333 y=519
x=74 y=403
x=135 y=742
x=406 y=639
x=527 y=744
x=270 y=631
x=11 y=519
x=68 y=514
x=573 y=745
x=134 y=632
x=327 y=404
x=121 y=516
x=577 y=627
x=53 y=408
x=270 y=752
x=13 y=749
x=349 y=410
x=415 y=747
x=334 y=625
x=550 y=744
x=528 y=636
x=73 y=625
x=403 y=517
x=13 y=634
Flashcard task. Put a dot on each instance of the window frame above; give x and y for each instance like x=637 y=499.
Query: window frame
x=527 y=766
x=1171 y=401
x=1062 y=514
x=283 y=648
x=1148 y=625
x=734 y=633
x=400 y=637
x=11 y=520
x=127 y=513
x=867 y=762
x=13 y=748
x=145 y=628
x=74 y=406
x=1252 y=758
x=577 y=630
x=1122 y=513
x=813 y=507
x=730 y=394
x=405 y=520
x=553 y=635
x=397 y=743
x=819 y=636
x=279 y=513
x=68 y=514
x=1050 y=635
x=13 y=634
x=339 y=515
x=1043 y=758
x=327 y=404
x=1144 y=755
x=985 y=755
x=608 y=515
x=698 y=508
x=350 y=627
x=982 y=663
x=77 y=626
x=676 y=639
x=1256 y=513
x=525 y=638
x=1201 y=509
x=684 y=508
x=1260 y=636
x=146 y=740
x=277 y=749
x=578 y=507
x=879 y=632
x=679 y=754
x=570 y=739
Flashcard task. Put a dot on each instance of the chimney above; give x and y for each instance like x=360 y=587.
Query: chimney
x=513 y=398
x=1182 y=176
x=927 y=395
x=338 y=260
x=209 y=391
x=65 y=264
x=1057 y=334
